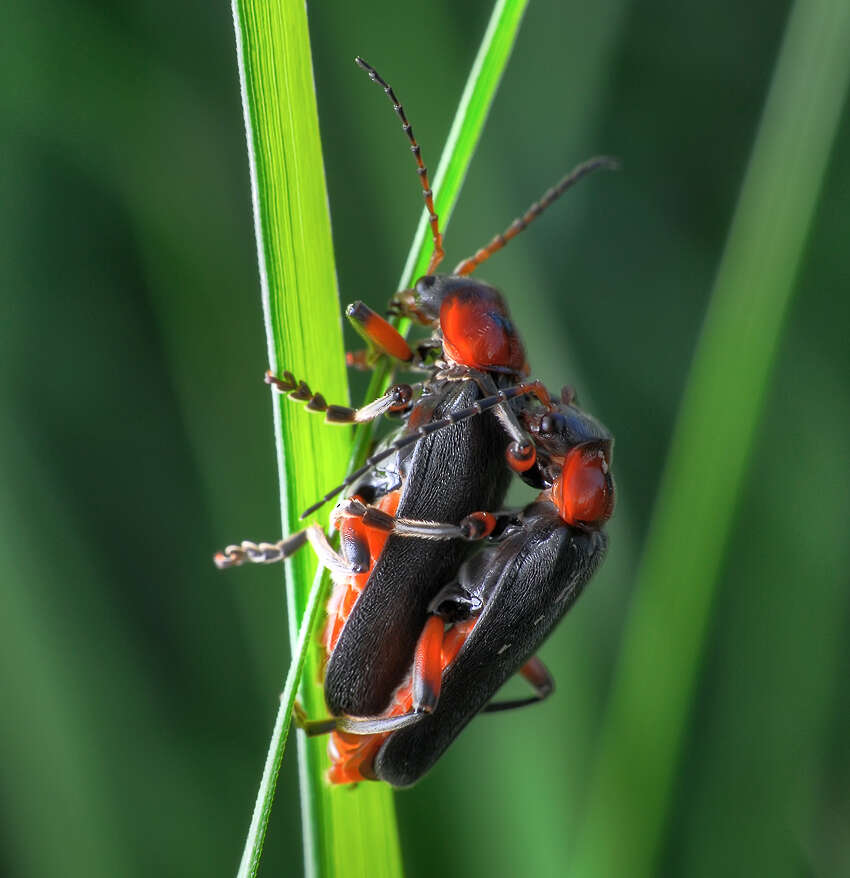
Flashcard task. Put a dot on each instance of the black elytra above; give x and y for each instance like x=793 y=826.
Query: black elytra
x=444 y=477
x=517 y=590
x=526 y=584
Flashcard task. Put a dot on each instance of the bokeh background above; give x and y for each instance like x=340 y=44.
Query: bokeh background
x=139 y=685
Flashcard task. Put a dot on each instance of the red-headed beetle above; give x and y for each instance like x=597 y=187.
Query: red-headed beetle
x=446 y=464
x=488 y=621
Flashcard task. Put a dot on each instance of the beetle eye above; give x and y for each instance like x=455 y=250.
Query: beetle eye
x=425 y=283
x=553 y=423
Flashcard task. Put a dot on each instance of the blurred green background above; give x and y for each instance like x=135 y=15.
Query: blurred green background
x=139 y=685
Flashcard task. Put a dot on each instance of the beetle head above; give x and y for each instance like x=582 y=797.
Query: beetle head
x=473 y=318
x=574 y=453
x=583 y=493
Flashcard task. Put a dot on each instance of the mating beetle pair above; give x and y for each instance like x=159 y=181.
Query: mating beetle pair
x=421 y=634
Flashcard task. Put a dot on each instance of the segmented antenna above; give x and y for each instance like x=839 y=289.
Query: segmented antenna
x=553 y=194
x=476 y=408
x=290 y=386
x=396 y=399
x=260 y=553
x=437 y=256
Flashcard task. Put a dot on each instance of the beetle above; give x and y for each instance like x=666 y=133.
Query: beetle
x=488 y=621
x=384 y=582
x=438 y=473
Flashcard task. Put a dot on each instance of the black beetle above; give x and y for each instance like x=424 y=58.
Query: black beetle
x=443 y=464
x=487 y=623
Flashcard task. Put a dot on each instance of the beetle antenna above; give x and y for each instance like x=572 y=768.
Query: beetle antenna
x=553 y=194
x=260 y=553
x=395 y=400
x=438 y=254
x=477 y=408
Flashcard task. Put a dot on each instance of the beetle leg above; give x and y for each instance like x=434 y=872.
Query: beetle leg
x=260 y=553
x=396 y=399
x=269 y=553
x=537 y=674
x=327 y=555
x=475 y=526
x=364 y=359
x=381 y=336
x=311 y=727
x=426 y=679
x=521 y=452
x=376 y=725
x=429 y=350
x=355 y=725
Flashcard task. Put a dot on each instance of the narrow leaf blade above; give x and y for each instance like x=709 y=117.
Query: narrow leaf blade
x=301 y=308
x=631 y=792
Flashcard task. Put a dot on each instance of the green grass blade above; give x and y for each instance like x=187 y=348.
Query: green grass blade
x=301 y=309
x=345 y=831
x=467 y=126
x=265 y=795
x=632 y=787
